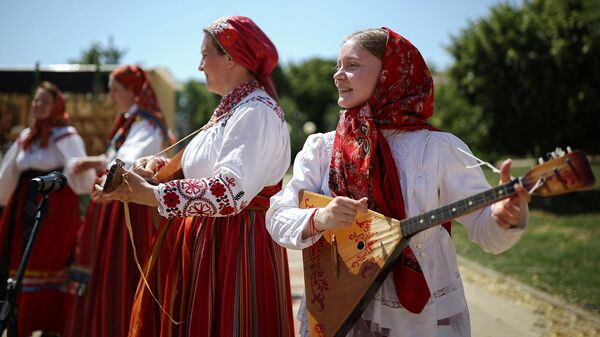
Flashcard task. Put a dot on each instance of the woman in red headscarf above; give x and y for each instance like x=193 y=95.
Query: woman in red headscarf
x=214 y=268
x=104 y=276
x=385 y=157
x=50 y=144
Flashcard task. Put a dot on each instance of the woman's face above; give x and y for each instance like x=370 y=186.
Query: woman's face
x=122 y=97
x=357 y=75
x=42 y=104
x=215 y=66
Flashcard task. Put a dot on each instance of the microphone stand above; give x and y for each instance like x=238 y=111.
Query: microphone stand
x=8 y=310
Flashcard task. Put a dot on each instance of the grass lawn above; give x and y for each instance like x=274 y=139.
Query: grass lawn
x=560 y=251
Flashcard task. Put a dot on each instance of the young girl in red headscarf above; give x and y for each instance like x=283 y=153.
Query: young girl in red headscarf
x=214 y=268
x=104 y=275
x=50 y=144
x=385 y=157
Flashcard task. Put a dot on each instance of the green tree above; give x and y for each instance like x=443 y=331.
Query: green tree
x=295 y=120
x=97 y=53
x=454 y=114
x=195 y=106
x=281 y=81
x=312 y=88
x=531 y=75
x=308 y=97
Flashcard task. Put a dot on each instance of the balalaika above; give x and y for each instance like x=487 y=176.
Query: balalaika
x=344 y=269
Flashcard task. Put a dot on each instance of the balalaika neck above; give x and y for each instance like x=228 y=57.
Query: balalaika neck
x=456 y=209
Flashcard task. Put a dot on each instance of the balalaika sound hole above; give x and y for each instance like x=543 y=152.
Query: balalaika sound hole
x=360 y=245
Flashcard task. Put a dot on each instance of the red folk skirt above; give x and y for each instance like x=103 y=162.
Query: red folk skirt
x=42 y=302
x=103 y=277
x=217 y=276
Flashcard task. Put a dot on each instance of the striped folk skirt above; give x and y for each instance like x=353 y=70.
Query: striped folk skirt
x=103 y=277
x=42 y=302
x=215 y=277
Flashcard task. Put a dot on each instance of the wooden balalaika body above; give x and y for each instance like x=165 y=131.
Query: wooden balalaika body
x=344 y=269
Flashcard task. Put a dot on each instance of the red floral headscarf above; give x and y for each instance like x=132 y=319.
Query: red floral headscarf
x=402 y=100
x=249 y=46
x=134 y=79
x=362 y=164
x=58 y=117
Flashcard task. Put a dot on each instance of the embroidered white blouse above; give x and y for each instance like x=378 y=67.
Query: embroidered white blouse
x=228 y=164
x=143 y=139
x=432 y=174
x=64 y=147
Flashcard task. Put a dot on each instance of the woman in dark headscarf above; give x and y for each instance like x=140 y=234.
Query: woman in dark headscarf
x=50 y=144
x=385 y=157
x=104 y=276
x=214 y=267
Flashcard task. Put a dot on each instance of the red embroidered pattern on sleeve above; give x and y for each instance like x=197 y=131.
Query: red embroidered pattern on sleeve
x=215 y=196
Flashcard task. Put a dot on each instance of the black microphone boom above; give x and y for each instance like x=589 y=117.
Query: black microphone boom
x=52 y=182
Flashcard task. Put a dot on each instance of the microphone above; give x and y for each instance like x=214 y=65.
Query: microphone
x=52 y=182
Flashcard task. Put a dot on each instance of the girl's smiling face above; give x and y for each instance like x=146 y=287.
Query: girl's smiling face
x=356 y=76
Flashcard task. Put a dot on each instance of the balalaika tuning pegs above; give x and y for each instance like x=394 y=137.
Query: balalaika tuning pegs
x=557 y=153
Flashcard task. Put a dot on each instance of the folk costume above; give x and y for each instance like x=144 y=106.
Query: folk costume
x=385 y=150
x=214 y=267
x=104 y=275
x=51 y=144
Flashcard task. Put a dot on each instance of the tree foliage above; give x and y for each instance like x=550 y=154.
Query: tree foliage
x=97 y=53
x=454 y=114
x=528 y=77
x=312 y=88
x=311 y=101
x=195 y=106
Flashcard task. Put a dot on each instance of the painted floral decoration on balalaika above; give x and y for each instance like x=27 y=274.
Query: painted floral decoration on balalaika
x=344 y=269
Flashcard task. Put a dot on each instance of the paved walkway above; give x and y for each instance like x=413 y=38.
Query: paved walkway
x=499 y=306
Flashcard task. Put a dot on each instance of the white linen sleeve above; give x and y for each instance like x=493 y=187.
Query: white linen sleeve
x=71 y=148
x=459 y=182
x=285 y=221
x=9 y=173
x=255 y=153
x=144 y=139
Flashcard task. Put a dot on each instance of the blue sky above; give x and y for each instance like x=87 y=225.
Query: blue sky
x=169 y=33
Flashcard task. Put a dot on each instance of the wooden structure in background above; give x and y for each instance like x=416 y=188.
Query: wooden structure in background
x=85 y=89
